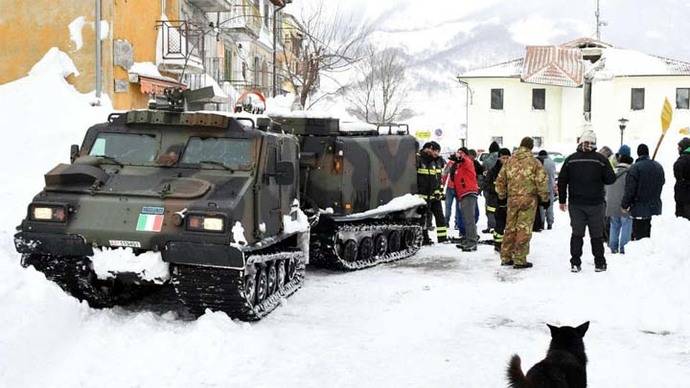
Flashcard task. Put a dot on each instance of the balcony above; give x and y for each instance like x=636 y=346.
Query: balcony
x=212 y=5
x=179 y=47
x=242 y=22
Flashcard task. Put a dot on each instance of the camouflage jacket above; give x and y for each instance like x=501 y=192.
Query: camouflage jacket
x=522 y=176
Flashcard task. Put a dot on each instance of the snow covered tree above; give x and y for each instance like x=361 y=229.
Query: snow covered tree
x=380 y=94
x=332 y=42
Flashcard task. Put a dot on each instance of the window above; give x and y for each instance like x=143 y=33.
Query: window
x=497 y=99
x=683 y=98
x=637 y=99
x=538 y=99
x=127 y=148
x=230 y=153
x=497 y=139
x=266 y=11
x=538 y=141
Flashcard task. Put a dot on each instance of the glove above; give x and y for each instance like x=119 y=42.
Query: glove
x=545 y=204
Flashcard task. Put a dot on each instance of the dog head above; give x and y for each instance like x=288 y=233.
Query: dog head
x=568 y=338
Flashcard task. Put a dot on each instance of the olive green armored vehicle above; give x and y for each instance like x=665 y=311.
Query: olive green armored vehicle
x=357 y=185
x=221 y=208
x=213 y=203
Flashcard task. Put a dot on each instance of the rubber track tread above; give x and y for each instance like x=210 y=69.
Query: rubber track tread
x=324 y=252
x=219 y=289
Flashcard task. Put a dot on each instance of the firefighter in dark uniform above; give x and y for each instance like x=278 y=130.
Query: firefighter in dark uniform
x=429 y=168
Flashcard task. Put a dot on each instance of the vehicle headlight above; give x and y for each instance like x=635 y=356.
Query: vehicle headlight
x=205 y=223
x=50 y=213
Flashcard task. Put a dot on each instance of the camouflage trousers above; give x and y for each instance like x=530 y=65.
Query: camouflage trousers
x=518 y=231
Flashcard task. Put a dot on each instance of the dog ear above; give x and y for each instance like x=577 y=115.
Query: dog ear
x=582 y=329
x=553 y=329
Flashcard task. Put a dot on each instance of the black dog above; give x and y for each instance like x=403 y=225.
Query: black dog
x=564 y=365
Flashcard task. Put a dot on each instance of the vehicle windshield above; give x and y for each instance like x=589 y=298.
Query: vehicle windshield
x=230 y=153
x=126 y=148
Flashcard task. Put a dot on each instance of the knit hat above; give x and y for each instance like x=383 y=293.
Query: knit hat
x=434 y=146
x=684 y=144
x=642 y=150
x=494 y=147
x=588 y=136
x=503 y=152
x=543 y=153
x=624 y=150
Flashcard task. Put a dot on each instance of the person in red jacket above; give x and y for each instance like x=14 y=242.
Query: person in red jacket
x=466 y=191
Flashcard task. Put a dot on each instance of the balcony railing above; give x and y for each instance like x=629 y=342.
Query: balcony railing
x=179 y=47
x=242 y=22
x=212 y=5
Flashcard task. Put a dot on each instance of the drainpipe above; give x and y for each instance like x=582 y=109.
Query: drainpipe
x=99 y=55
x=275 y=39
x=467 y=111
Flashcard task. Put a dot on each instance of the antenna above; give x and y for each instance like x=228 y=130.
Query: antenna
x=600 y=23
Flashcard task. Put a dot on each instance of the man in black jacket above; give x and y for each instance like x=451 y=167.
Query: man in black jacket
x=492 y=201
x=582 y=178
x=681 y=170
x=642 y=198
x=429 y=169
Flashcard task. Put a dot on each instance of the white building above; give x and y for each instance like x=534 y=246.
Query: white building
x=555 y=91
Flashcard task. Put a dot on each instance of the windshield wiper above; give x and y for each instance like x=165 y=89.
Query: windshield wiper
x=216 y=163
x=110 y=158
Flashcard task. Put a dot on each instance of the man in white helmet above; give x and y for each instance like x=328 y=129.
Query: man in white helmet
x=581 y=183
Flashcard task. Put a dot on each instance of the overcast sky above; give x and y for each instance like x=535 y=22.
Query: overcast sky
x=659 y=27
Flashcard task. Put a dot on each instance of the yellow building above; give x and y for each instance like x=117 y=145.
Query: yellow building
x=289 y=57
x=145 y=45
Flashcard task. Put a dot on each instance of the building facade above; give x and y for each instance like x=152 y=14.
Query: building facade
x=146 y=46
x=505 y=103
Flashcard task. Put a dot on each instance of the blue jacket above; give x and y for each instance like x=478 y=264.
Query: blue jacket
x=643 y=188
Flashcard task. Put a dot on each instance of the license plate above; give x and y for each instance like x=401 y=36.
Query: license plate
x=125 y=244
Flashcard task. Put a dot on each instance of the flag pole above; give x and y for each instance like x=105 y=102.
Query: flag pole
x=666 y=118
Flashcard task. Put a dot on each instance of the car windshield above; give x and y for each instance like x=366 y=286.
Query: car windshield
x=126 y=148
x=215 y=151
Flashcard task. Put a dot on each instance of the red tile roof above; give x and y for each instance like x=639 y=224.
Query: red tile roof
x=553 y=65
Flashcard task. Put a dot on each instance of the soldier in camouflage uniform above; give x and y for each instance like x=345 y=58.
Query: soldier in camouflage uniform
x=522 y=181
x=429 y=169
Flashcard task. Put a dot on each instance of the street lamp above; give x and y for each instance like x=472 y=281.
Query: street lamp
x=622 y=123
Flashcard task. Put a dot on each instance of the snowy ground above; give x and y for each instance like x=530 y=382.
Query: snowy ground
x=440 y=319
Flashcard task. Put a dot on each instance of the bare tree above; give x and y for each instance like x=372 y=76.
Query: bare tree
x=380 y=94
x=332 y=43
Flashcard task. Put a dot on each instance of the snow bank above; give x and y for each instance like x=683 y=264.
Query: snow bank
x=107 y=263
x=54 y=63
x=405 y=202
x=148 y=69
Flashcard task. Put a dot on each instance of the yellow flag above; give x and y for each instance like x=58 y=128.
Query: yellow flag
x=666 y=116
x=684 y=131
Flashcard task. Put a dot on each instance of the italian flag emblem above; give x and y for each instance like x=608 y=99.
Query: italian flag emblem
x=150 y=220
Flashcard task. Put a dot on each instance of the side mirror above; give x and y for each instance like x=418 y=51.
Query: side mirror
x=73 y=152
x=285 y=173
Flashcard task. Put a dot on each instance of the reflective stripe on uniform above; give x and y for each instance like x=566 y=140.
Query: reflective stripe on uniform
x=498 y=237
x=429 y=171
x=491 y=209
x=441 y=231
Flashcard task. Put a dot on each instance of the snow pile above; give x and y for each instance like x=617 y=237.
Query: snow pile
x=621 y=62
x=148 y=69
x=297 y=221
x=54 y=63
x=107 y=263
x=75 y=28
x=238 y=238
x=404 y=202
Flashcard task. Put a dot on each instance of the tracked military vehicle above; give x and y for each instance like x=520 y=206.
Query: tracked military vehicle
x=357 y=185
x=213 y=201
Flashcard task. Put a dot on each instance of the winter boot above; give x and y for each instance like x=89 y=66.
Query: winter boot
x=600 y=268
x=506 y=263
x=524 y=265
x=575 y=268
